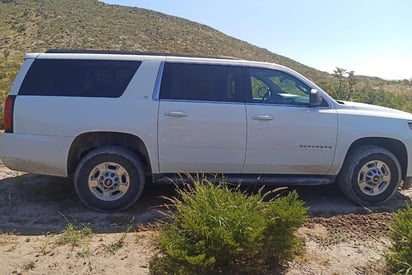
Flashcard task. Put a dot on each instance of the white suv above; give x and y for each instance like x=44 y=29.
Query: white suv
x=118 y=121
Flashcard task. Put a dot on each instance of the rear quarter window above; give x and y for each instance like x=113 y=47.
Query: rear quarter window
x=78 y=78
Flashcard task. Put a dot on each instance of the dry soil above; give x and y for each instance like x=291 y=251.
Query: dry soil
x=340 y=237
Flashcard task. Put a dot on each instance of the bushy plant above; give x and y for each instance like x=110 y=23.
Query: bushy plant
x=214 y=228
x=399 y=256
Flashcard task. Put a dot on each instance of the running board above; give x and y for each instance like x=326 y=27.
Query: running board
x=248 y=179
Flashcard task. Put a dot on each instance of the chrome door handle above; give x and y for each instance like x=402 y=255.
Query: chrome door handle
x=262 y=117
x=176 y=114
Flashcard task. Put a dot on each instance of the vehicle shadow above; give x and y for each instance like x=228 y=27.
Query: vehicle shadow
x=34 y=205
x=327 y=201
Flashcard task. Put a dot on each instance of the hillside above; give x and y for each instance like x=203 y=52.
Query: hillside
x=33 y=26
x=38 y=25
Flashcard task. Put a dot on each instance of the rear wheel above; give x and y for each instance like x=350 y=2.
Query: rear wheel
x=370 y=175
x=110 y=178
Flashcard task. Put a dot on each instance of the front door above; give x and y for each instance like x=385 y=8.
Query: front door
x=285 y=135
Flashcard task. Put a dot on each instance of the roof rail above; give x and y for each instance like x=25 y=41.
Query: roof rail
x=137 y=53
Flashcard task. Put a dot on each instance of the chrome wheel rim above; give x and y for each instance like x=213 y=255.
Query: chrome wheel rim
x=109 y=181
x=374 y=178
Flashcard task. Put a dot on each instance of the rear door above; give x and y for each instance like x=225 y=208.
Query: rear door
x=202 y=119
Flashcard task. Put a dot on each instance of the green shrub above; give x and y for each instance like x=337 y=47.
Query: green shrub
x=214 y=228
x=399 y=257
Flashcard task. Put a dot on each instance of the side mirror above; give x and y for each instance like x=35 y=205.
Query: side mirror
x=314 y=98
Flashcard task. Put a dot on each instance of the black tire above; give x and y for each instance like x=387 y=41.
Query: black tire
x=370 y=175
x=109 y=178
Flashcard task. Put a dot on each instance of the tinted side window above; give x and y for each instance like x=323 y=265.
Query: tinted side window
x=202 y=82
x=82 y=78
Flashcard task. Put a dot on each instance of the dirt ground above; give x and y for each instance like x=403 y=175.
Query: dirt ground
x=36 y=213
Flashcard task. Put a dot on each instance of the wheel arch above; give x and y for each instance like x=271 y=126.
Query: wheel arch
x=86 y=142
x=394 y=146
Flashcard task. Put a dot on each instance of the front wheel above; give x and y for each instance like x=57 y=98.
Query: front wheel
x=370 y=175
x=110 y=178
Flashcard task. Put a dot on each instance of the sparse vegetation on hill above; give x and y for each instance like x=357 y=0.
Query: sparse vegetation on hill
x=38 y=25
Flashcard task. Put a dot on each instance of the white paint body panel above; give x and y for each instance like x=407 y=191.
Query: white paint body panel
x=297 y=140
x=59 y=120
x=211 y=138
x=214 y=137
x=357 y=121
x=37 y=154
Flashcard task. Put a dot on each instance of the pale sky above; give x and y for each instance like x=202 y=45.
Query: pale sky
x=370 y=37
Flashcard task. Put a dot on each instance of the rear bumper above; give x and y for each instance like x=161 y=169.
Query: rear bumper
x=46 y=155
